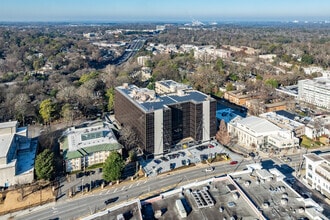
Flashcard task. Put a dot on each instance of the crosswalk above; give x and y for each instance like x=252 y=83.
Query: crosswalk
x=110 y=191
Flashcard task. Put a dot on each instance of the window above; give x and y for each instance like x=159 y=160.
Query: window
x=310 y=167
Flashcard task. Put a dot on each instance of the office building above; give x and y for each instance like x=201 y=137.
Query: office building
x=315 y=91
x=258 y=133
x=162 y=121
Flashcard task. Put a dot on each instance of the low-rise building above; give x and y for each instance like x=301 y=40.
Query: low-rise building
x=88 y=144
x=258 y=133
x=318 y=172
x=17 y=154
x=237 y=97
x=296 y=127
x=169 y=86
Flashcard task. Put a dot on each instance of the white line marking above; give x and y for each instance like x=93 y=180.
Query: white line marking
x=138 y=184
x=115 y=190
x=123 y=188
x=130 y=186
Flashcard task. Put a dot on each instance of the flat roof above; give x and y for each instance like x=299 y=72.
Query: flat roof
x=158 y=102
x=326 y=157
x=273 y=197
x=222 y=198
x=258 y=125
x=5 y=142
x=8 y=124
x=313 y=157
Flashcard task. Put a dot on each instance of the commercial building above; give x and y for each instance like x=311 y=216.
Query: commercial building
x=258 y=133
x=88 y=144
x=161 y=121
x=296 y=127
x=315 y=91
x=17 y=154
x=318 y=172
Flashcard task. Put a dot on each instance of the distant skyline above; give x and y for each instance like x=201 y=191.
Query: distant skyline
x=163 y=10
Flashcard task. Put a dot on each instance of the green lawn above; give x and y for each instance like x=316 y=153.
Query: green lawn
x=309 y=143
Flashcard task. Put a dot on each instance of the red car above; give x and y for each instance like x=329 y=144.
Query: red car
x=233 y=162
x=211 y=146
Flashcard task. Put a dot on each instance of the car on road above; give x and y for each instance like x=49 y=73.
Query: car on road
x=108 y=201
x=209 y=169
x=211 y=146
x=233 y=162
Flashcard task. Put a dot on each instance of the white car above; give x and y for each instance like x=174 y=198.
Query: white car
x=209 y=169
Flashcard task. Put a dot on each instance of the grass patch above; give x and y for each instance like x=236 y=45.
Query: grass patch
x=309 y=143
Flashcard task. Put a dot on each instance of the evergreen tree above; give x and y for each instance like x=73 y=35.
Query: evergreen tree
x=45 y=165
x=113 y=167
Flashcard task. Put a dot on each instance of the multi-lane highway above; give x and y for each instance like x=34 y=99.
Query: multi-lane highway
x=91 y=202
x=86 y=204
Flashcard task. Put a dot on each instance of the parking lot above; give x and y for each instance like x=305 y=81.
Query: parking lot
x=183 y=157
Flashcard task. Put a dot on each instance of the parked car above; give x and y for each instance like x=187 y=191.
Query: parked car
x=233 y=162
x=211 y=146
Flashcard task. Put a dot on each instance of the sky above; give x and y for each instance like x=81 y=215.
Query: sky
x=162 y=10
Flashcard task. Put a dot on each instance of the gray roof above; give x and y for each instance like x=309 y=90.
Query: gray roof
x=160 y=102
x=259 y=125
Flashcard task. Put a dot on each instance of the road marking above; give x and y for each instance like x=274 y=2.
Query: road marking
x=115 y=190
x=138 y=184
x=130 y=186
x=123 y=188
x=101 y=193
x=145 y=181
x=108 y=191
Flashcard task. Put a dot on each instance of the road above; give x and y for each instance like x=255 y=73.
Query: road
x=74 y=208
x=91 y=202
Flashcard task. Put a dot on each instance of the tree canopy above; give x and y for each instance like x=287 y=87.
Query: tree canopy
x=45 y=165
x=46 y=110
x=113 y=167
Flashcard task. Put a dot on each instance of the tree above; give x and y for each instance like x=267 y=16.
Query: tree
x=67 y=113
x=45 y=165
x=111 y=97
x=222 y=135
x=113 y=167
x=46 y=110
x=21 y=106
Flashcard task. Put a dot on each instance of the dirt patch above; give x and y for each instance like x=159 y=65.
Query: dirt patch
x=14 y=201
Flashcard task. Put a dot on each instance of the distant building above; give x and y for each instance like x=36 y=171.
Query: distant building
x=315 y=91
x=88 y=144
x=258 y=133
x=17 y=154
x=161 y=121
x=318 y=172
x=169 y=86
x=208 y=53
x=142 y=60
x=237 y=97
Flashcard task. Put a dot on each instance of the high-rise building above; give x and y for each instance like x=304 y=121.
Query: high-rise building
x=315 y=91
x=161 y=121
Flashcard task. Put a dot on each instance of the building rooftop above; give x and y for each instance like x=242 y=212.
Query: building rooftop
x=147 y=100
x=8 y=124
x=313 y=157
x=5 y=142
x=281 y=120
x=273 y=197
x=87 y=138
x=321 y=82
x=258 y=125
